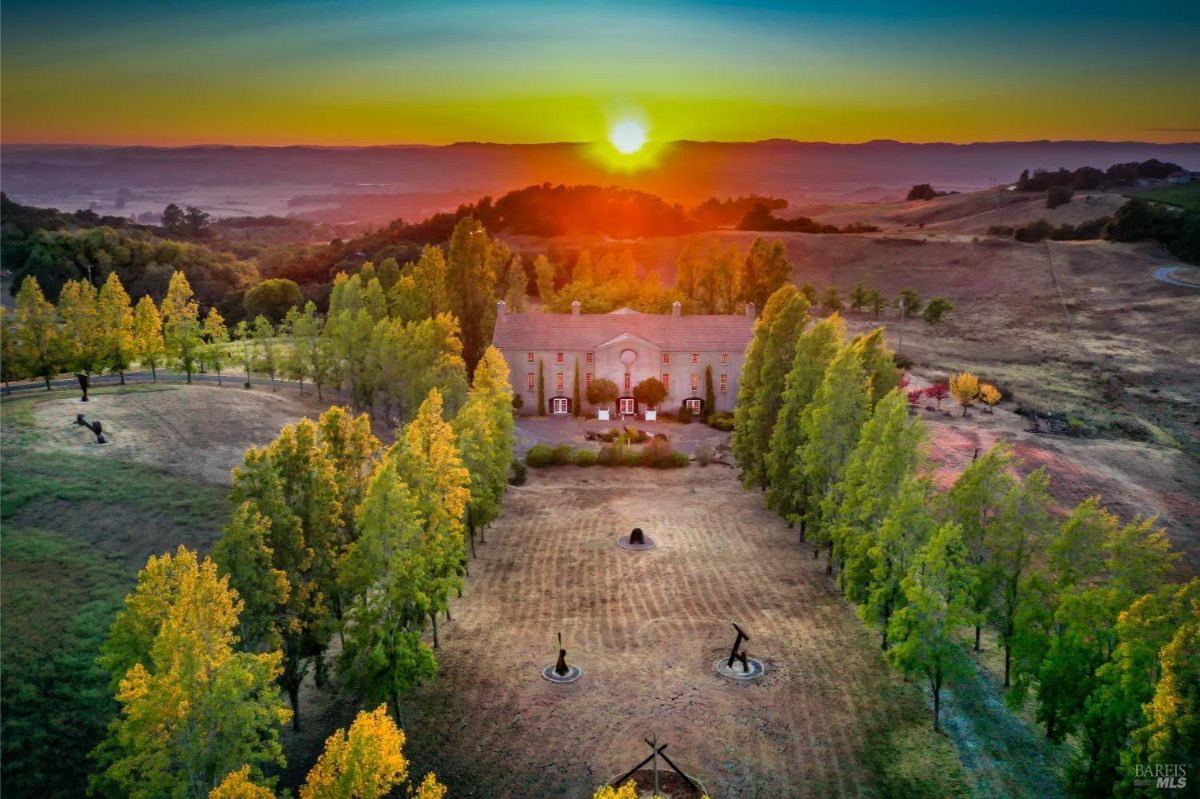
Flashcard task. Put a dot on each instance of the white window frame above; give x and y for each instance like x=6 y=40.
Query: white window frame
x=692 y=404
x=626 y=405
x=560 y=402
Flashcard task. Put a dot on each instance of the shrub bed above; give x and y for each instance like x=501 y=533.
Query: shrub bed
x=722 y=420
x=657 y=454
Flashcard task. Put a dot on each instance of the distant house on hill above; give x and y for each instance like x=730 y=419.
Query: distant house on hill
x=626 y=347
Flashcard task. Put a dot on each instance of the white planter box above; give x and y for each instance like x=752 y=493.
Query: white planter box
x=602 y=414
x=651 y=416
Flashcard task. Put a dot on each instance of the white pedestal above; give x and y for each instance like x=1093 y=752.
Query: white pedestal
x=651 y=416
x=602 y=414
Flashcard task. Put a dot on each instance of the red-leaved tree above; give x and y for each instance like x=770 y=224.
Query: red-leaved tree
x=939 y=391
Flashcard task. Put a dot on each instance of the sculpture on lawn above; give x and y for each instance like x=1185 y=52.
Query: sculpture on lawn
x=95 y=427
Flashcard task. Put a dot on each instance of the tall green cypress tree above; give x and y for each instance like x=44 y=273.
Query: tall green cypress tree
x=814 y=350
x=768 y=360
x=710 y=398
x=888 y=453
x=575 y=410
x=832 y=424
x=541 y=388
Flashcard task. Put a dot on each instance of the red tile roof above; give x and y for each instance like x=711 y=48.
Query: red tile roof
x=698 y=333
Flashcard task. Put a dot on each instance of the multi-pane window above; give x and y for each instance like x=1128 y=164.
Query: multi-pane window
x=666 y=381
x=558 y=358
x=589 y=357
x=529 y=357
x=628 y=381
x=724 y=358
x=559 y=381
x=587 y=380
x=667 y=358
x=695 y=382
x=724 y=383
x=695 y=357
x=529 y=386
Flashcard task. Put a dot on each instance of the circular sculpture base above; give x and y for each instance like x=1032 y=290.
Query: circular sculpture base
x=720 y=666
x=573 y=674
x=623 y=543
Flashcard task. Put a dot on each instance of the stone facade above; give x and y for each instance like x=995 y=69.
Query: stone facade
x=625 y=347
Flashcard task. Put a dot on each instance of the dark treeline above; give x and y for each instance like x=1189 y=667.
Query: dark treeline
x=760 y=218
x=1089 y=177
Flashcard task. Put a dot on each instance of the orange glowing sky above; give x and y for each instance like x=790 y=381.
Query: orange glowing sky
x=135 y=71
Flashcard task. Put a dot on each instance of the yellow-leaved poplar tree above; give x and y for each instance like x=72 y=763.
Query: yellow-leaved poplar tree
x=989 y=394
x=964 y=387
x=367 y=762
x=192 y=708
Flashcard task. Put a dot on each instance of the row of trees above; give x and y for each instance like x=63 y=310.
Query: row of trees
x=1079 y=606
x=364 y=345
x=90 y=331
x=710 y=277
x=331 y=535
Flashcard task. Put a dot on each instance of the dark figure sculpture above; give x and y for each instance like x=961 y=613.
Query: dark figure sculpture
x=734 y=654
x=561 y=668
x=95 y=427
x=83 y=385
x=637 y=538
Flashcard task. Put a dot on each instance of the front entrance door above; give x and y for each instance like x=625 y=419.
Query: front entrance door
x=693 y=405
x=626 y=405
x=560 y=406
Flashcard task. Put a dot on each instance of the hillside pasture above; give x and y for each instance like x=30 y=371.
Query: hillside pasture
x=77 y=521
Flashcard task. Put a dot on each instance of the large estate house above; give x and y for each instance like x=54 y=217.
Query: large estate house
x=626 y=347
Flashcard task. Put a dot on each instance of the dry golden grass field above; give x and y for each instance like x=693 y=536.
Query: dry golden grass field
x=646 y=628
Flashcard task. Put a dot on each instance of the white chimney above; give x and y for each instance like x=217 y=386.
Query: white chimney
x=501 y=309
x=750 y=309
x=676 y=309
x=575 y=308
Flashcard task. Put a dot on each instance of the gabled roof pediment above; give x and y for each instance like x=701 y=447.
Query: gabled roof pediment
x=627 y=338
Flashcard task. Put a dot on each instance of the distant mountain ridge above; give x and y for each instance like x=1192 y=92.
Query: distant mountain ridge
x=72 y=176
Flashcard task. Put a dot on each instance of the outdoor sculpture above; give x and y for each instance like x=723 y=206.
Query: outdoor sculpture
x=636 y=541
x=95 y=427
x=83 y=385
x=734 y=654
x=561 y=667
x=752 y=668
x=561 y=672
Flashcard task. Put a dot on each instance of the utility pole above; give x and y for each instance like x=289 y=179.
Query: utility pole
x=900 y=349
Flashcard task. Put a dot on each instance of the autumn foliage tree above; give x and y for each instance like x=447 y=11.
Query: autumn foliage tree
x=965 y=388
x=193 y=708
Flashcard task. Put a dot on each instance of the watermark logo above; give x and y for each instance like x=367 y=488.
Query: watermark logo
x=1168 y=776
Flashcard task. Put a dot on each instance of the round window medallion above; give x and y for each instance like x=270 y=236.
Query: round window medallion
x=628 y=357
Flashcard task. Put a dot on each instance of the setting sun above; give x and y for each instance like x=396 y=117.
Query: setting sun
x=628 y=136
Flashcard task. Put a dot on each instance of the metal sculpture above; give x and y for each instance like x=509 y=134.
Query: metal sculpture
x=83 y=385
x=637 y=538
x=562 y=672
x=561 y=668
x=734 y=654
x=95 y=427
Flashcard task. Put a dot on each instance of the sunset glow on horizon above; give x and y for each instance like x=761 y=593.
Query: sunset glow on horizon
x=274 y=73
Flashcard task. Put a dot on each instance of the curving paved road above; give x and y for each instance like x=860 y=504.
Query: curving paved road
x=164 y=376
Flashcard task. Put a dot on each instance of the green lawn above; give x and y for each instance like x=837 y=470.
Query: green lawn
x=1186 y=196
x=73 y=532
